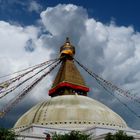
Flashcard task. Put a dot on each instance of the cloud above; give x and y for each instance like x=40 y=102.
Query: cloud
x=34 y=7
x=110 y=48
x=16 y=54
x=16 y=51
x=107 y=49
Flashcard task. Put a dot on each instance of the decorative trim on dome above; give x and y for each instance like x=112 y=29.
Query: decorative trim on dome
x=73 y=123
x=69 y=85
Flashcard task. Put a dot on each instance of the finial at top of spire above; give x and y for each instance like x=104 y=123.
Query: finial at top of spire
x=67 y=49
x=67 y=40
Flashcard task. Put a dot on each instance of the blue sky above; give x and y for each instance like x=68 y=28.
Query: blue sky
x=109 y=28
x=124 y=12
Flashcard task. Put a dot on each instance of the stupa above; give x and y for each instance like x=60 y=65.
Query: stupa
x=69 y=107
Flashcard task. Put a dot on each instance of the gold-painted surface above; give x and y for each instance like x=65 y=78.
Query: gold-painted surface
x=67 y=48
x=70 y=52
x=68 y=72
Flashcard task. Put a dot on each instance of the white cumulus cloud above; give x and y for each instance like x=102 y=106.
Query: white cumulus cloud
x=109 y=50
x=15 y=51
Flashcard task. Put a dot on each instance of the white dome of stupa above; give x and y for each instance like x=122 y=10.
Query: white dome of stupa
x=71 y=111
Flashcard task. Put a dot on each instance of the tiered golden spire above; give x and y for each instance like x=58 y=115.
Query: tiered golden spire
x=68 y=79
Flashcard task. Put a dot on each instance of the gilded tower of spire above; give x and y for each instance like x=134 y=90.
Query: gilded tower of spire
x=68 y=80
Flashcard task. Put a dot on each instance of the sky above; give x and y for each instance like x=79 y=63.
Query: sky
x=106 y=35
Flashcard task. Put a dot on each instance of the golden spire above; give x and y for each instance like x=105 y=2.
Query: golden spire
x=68 y=79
